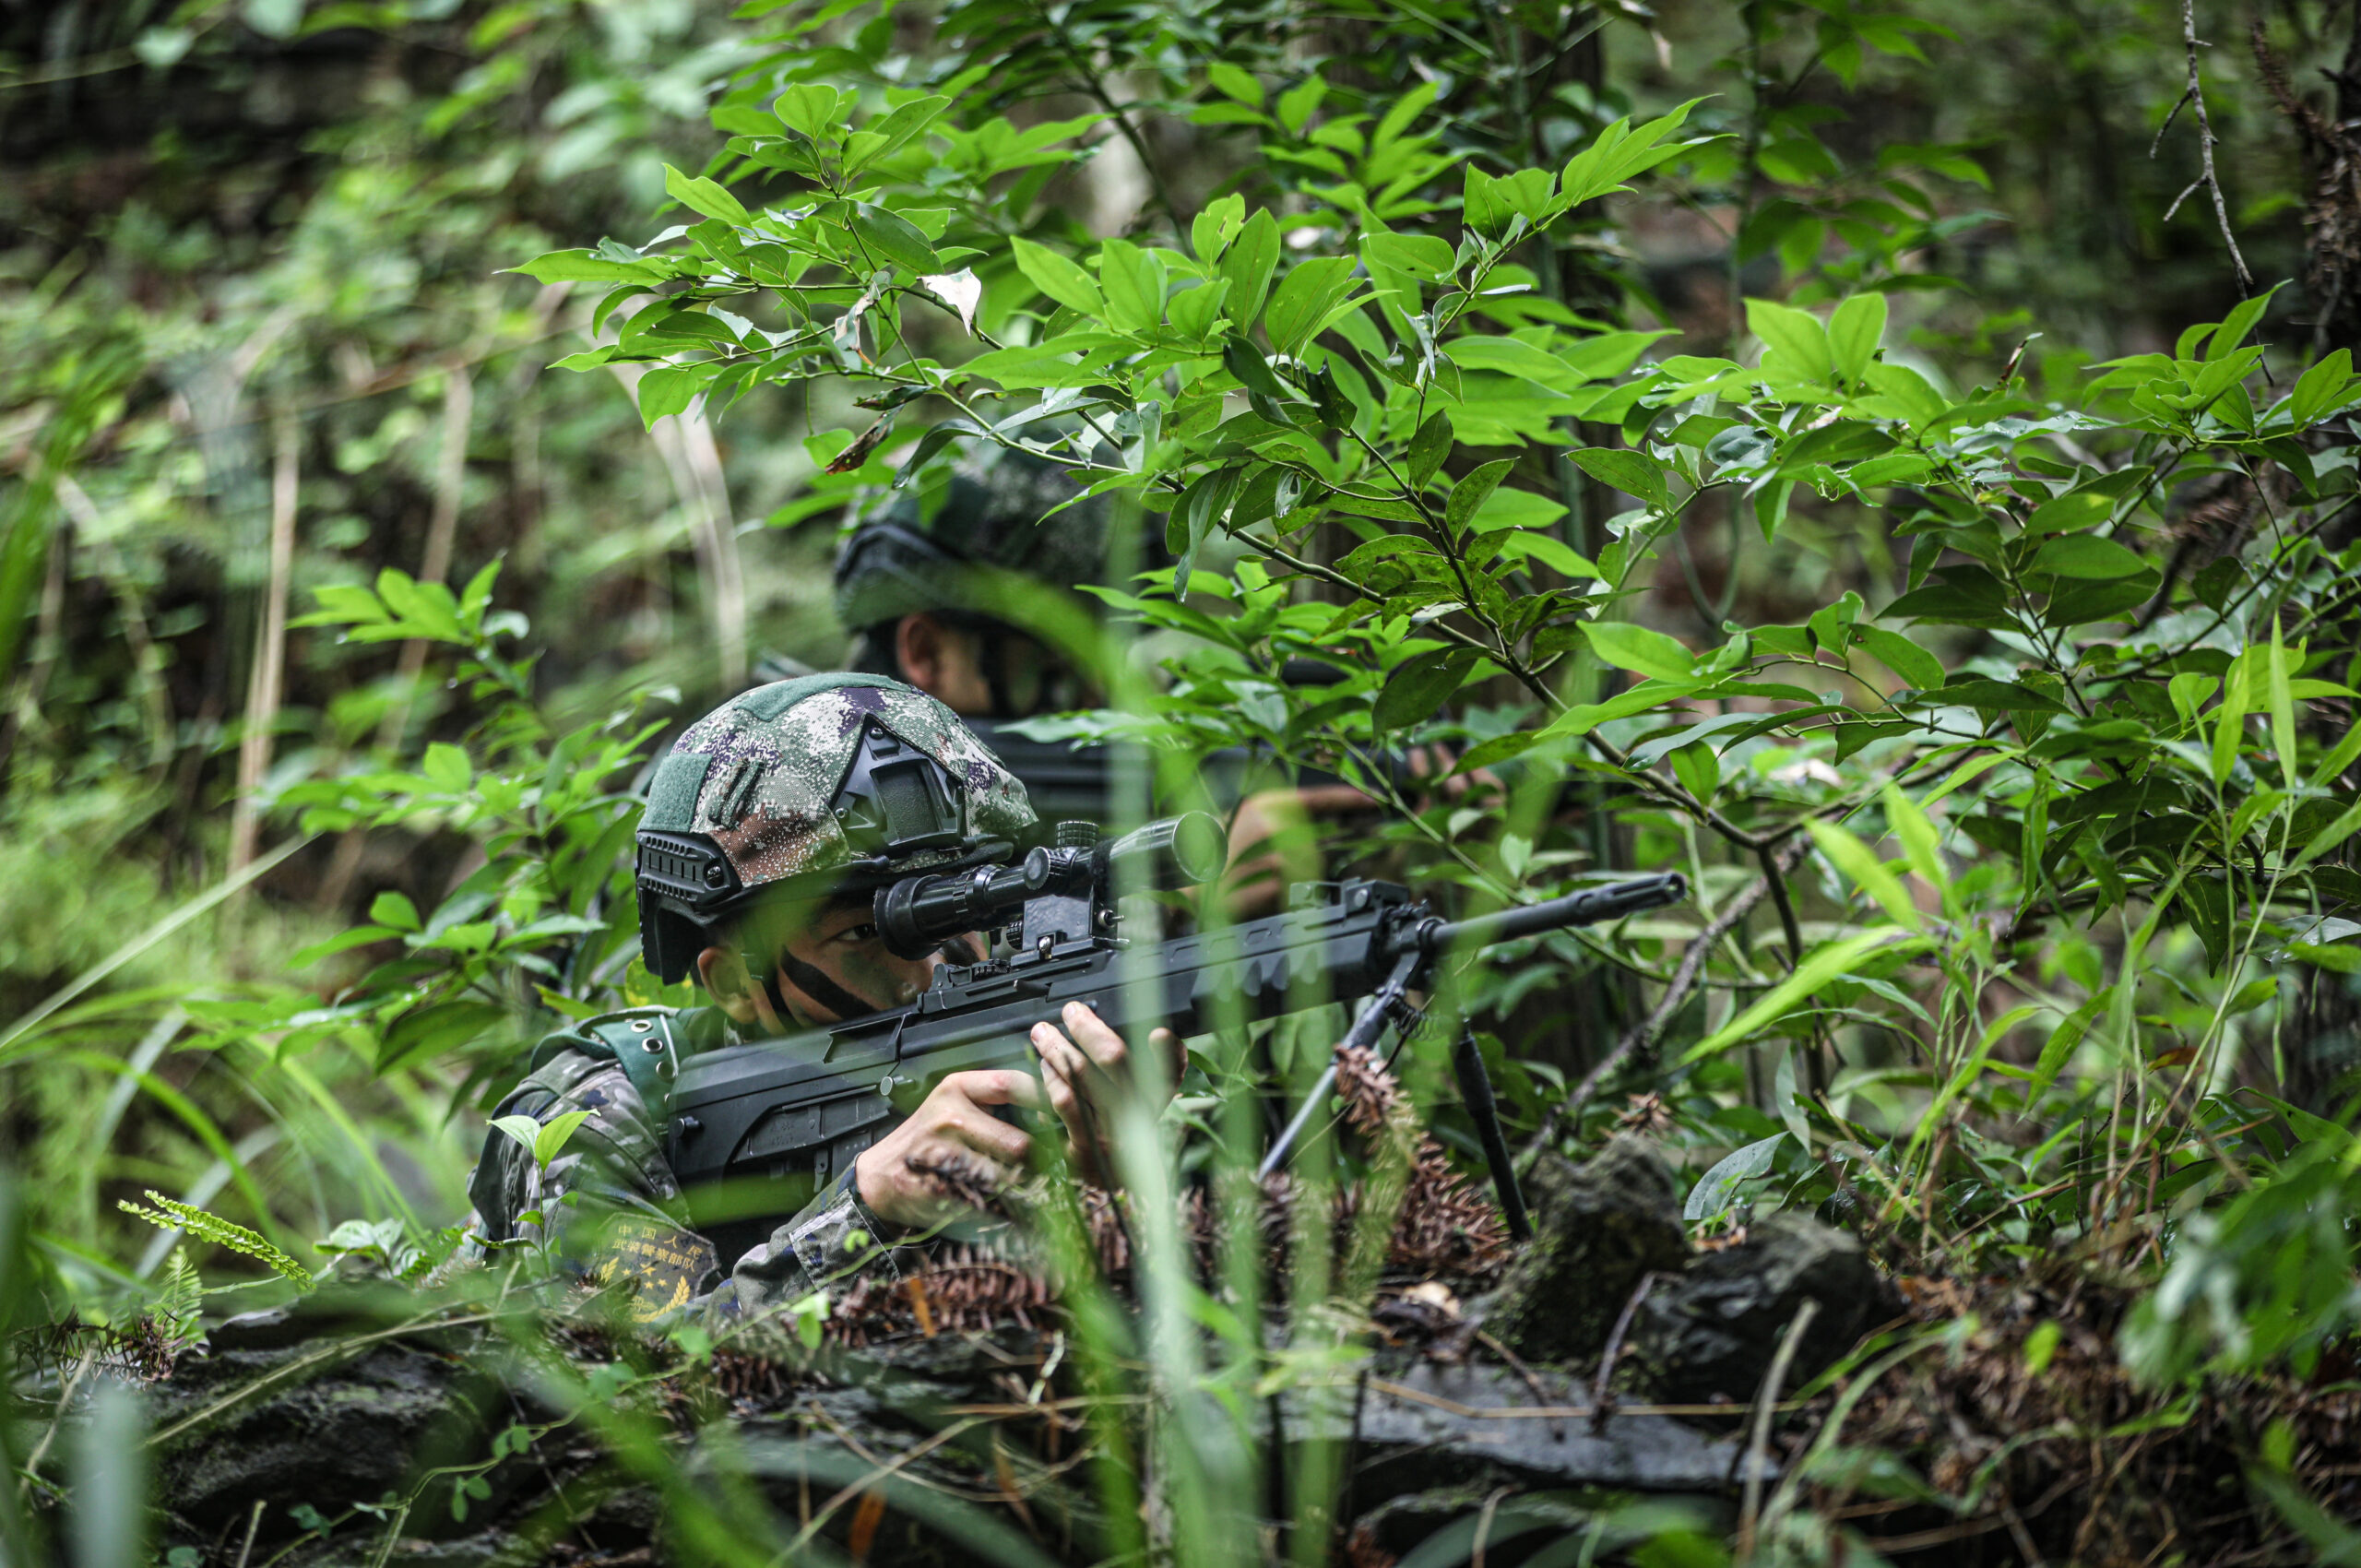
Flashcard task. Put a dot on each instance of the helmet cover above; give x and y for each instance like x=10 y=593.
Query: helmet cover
x=811 y=786
x=998 y=517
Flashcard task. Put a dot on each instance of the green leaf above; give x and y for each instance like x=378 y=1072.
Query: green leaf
x=2084 y=555
x=1814 y=972
x=1420 y=685
x=1717 y=1189
x=1264 y=389
x=1628 y=646
x=1133 y=280
x=1796 y=337
x=1961 y=596
x=1854 y=333
x=522 y=1130
x=1513 y=356
x=812 y=109
x=2347 y=822
x=1247 y=265
x=1997 y=697
x=344 y=942
x=2074 y=511
x=1471 y=493
x=892 y=130
x=1618 y=153
x=1899 y=654
x=668 y=389
x=447 y=768
x=1194 y=311
x=1699 y=770
x=1428 y=447
x=1303 y=298
x=894 y=238
x=1857 y=861
x=1649 y=694
x=1632 y=472
x=588 y=266
x=2321 y=388
x=2230 y=718
x=1195 y=517
x=2059 y=1048
x=1236 y=83
x=2240 y=321
x=704 y=197
x=395 y=910
x=1212 y=230
x=1549 y=548
x=1296 y=104
x=551 y=1137
x=427 y=1033
x=1423 y=256
x=1060 y=278
x=170 y=1214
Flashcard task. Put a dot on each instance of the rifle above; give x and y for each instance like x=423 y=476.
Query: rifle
x=798 y=1109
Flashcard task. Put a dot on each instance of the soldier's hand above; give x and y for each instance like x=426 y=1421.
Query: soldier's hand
x=1086 y=1068
x=953 y=1128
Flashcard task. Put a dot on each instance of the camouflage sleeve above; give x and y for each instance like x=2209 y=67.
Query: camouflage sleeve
x=607 y=1206
x=834 y=1239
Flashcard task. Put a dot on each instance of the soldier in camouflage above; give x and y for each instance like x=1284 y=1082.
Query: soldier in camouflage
x=933 y=581
x=769 y=825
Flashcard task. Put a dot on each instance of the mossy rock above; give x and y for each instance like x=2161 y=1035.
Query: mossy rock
x=1714 y=1331
x=1598 y=1228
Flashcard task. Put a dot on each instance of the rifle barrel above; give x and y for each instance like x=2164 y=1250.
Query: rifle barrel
x=1585 y=907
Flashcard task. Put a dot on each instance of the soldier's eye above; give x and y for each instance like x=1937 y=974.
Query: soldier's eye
x=857 y=934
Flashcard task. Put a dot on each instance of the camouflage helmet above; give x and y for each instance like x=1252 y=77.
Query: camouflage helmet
x=903 y=558
x=825 y=784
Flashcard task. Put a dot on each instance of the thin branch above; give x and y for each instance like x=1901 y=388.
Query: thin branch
x=265 y=690
x=2207 y=180
x=1642 y=1036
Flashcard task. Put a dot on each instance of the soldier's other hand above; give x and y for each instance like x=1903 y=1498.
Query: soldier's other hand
x=951 y=1128
x=1088 y=1068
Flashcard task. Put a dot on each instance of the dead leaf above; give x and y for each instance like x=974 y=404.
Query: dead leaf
x=862 y=446
x=959 y=289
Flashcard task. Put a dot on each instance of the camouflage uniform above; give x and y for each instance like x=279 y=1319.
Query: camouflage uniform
x=627 y=1216
x=789 y=787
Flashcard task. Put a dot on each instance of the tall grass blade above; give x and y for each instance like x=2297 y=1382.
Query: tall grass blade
x=203 y=903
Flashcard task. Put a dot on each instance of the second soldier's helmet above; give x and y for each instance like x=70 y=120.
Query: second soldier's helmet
x=913 y=551
x=803 y=788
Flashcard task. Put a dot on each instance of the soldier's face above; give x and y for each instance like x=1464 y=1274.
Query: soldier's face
x=981 y=669
x=832 y=964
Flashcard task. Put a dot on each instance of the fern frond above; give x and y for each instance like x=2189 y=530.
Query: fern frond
x=182 y=1302
x=169 y=1215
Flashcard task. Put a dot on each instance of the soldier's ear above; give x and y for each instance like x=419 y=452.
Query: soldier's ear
x=919 y=650
x=723 y=973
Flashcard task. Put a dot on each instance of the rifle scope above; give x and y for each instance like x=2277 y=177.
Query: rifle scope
x=918 y=914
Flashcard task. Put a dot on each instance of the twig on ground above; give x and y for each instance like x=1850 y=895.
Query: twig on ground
x=1602 y=1392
